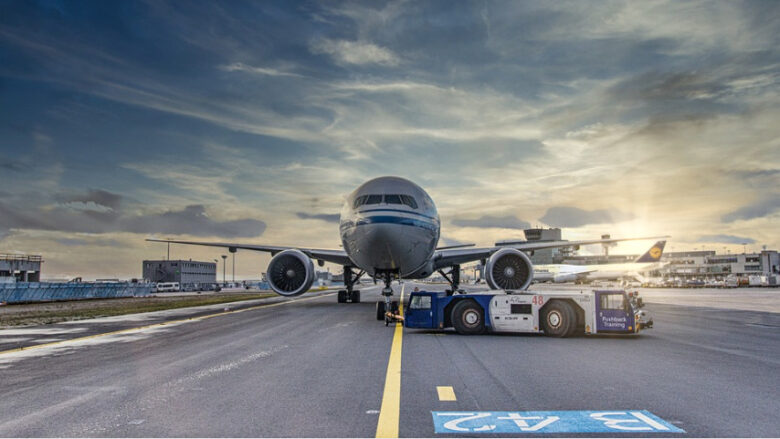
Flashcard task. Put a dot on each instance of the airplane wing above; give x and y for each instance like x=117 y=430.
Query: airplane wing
x=449 y=257
x=335 y=256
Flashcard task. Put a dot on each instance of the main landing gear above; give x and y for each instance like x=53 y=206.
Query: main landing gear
x=388 y=308
x=453 y=277
x=350 y=294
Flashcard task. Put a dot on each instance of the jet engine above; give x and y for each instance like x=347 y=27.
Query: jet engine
x=290 y=273
x=509 y=269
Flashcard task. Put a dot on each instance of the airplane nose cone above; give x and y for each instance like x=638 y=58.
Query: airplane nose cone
x=394 y=247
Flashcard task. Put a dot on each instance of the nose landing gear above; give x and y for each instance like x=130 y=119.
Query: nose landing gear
x=388 y=309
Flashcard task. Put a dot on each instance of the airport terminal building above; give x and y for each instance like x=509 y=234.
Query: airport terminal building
x=709 y=264
x=701 y=264
x=189 y=274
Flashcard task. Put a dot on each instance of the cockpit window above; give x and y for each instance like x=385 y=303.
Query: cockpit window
x=393 y=199
x=409 y=201
x=359 y=201
x=373 y=199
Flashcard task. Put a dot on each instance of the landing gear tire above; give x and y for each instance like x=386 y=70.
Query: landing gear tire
x=559 y=319
x=342 y=296
x=380 y=310
x=468 y=318
x=354 y=297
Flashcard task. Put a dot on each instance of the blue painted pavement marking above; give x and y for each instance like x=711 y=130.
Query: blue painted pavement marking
x=606 y=421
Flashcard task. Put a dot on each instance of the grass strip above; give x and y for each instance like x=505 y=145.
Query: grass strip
x=55 y=312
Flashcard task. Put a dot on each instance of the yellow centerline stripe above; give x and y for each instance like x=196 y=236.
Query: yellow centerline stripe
x=389 y=413
x=155 y=325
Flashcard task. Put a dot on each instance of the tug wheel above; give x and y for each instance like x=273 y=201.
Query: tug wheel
x=558 y=319
x=468 y=318
x=380 y=310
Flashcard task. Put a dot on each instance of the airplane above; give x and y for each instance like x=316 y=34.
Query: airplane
x=559 y=273
x=390 y=229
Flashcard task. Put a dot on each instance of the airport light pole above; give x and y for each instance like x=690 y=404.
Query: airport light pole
x=233 y=250
x=224 y=263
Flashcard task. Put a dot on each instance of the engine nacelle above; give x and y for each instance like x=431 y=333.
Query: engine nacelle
x=290 y=273
x=509 y=269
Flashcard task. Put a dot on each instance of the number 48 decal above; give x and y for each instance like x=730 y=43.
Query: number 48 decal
x=538 y=300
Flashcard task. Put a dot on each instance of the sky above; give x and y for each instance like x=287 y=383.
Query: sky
x=251 y=121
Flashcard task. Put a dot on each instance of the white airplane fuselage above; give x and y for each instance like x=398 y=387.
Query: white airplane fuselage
x=568 y=273
x=390 y=224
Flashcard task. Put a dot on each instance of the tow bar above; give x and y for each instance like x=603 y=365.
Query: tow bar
x=390 y=317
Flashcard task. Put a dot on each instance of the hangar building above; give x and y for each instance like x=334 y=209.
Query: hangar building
x=189 y=274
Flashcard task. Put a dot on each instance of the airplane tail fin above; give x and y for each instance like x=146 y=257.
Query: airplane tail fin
x=654 y=254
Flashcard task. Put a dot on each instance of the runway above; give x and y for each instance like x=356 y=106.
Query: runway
x=312 y=367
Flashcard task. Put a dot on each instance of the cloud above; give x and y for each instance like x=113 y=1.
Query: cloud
x=726 y=239
x=328 y=217
x=98 y=212
x=192 y=220
x=564 y=216
x=77 y=242
x=487 y=221
x=355 y=52
x=241 y=67
x=11 y=165
x=668 y=86
x=95 y=196
x=761 y=208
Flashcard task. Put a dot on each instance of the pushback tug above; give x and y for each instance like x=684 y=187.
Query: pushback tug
x=557 y=314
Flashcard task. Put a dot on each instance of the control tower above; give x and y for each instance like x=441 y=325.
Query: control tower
x=548 y=255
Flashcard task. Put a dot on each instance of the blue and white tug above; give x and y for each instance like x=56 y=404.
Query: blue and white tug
x=557 y=314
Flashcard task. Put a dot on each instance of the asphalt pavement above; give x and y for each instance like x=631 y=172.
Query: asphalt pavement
x=311 y=367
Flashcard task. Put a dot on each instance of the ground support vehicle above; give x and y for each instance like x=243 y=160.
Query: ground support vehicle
x=557 y=314
x=163 y=287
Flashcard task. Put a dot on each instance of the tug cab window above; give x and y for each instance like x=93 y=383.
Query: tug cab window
x=613 y=301
x=420 y=302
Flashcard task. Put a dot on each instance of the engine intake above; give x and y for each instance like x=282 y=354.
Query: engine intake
x=291 y=273
x=509 y=269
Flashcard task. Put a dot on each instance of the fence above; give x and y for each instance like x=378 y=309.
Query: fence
x=48 y=291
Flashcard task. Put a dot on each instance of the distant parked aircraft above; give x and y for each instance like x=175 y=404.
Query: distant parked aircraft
x=559 y=273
